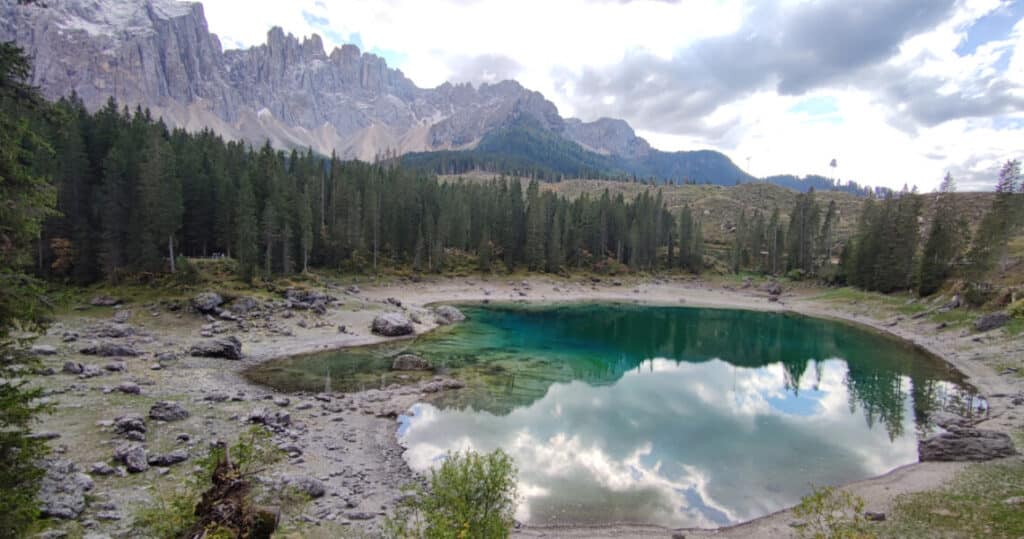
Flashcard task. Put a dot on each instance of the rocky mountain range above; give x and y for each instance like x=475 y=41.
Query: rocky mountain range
x=161 y=55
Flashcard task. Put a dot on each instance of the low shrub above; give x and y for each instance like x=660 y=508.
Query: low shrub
x=830 y=513
x=470 y=495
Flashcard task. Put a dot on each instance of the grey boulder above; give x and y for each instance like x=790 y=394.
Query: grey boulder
x=991 y=321
x=446 y=314
x=167 y=411
x=207 y=302
x=392 y=324
x=223 y=347
x=966 y=444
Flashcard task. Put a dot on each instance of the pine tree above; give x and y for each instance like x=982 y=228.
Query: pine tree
x=943 y=245
x=998 y=224
x=26 y=200
x=305 y=221
x=246 y=239
x=161 y=200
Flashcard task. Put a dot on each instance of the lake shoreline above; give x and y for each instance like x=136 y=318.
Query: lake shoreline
x=325 y=429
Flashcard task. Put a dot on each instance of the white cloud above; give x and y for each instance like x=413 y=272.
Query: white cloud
x=877 y=139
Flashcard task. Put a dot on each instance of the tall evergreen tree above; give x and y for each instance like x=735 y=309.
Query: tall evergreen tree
x=247 y=238
x=944 y=241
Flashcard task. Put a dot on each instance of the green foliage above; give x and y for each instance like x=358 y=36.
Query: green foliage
x=187 y=272
x=26 y=199
x=978 y=294
x=172 y=512
x=830 y=513
x=944 y=243
x=471 y=495
x=998 y=225
x=886 y=244
x=1016 y=309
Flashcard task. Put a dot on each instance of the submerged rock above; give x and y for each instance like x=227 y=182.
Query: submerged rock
x=224 y=347
x=410 y=362
x=446 y=314
x=966 y=444
x=392 y=324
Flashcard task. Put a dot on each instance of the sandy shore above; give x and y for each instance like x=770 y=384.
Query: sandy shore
x=348 y=442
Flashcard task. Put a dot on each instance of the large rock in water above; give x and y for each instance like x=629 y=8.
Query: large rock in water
x=410 y=362
x=207 y=302
x=225 y=347
x=446 y=314
x=392 y=324
x=966 y=444
x=62 y=490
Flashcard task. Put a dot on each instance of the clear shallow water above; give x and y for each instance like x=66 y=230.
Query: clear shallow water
x=660 y=415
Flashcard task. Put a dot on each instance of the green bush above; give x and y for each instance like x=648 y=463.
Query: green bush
x=471 y=495
x=187 y=273
x=1016 y=309
x=829 y=513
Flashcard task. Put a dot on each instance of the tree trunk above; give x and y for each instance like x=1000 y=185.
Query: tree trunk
x=170 y=250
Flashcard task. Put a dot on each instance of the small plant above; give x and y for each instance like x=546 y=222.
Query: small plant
x=830 y=513
x=471 y=495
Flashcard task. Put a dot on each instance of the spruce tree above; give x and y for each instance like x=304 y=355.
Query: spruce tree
x=943 y=245
x=247 y=237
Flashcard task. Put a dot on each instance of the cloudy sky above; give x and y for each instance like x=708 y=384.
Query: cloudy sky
x=897 y=91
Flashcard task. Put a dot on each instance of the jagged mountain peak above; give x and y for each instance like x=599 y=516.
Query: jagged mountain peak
x=160 y=54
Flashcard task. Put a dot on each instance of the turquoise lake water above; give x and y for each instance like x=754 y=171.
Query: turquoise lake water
x=674 y=416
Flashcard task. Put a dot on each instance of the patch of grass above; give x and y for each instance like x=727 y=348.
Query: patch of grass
x=882 y=305
x=972 y=505
x=1015 y=326
x=954 y=317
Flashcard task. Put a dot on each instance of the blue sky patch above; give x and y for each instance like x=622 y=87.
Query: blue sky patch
x=315 y=21
x=992 y=27
x=392 y=57
x=816 y=106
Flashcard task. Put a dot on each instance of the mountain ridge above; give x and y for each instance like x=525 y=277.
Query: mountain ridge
x=161 y=55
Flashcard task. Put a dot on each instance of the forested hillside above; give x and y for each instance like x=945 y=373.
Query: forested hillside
x=134 y=196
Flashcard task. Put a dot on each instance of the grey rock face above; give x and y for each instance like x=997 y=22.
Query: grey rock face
x=966 y=444
x=62 y=490
x=607 y=136
x=160 y=54
x=133 y=456
x=224 y=347
x=392 y=324
x=104 y=301
x=991 y=321
x=410 y=362
x=167 y=411
x=446 y=314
